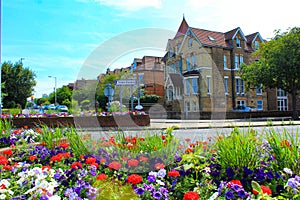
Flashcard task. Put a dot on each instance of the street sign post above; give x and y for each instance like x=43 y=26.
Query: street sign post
x=109 y=92
x=125 y=82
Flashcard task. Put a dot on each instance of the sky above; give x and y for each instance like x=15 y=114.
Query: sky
x=74 y=39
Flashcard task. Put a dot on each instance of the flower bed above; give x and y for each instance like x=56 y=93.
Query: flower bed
x=241 y=165
x=82 y=121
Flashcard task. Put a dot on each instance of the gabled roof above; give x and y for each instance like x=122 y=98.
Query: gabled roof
x=182 y=28
x=252 y=37
x=176 y=80
x=230 y=35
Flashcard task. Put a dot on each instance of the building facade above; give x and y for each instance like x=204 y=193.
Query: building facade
x=207 y=62
x=149 y=73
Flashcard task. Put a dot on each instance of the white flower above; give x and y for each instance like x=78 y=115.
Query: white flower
x=2 y=196
x=153 y=174
x=160 y=182
x=214 y=196
x=288 y=171
x=54 y=197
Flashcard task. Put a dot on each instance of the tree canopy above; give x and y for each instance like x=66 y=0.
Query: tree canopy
x=278 y=65
x=18 y=84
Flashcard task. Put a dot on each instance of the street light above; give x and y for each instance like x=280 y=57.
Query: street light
x=55 y=99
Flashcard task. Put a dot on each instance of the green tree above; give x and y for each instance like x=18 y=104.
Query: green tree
x=278 y=65
x=18 y=84
x=62 y=95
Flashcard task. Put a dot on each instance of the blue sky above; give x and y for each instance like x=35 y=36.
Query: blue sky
x=60 y=37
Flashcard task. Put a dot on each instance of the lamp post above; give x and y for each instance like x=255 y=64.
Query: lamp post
x=55 y=98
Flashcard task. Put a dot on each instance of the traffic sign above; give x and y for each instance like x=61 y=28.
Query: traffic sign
x=125 y=82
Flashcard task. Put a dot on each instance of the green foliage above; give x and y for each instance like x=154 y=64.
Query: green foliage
x=115 y=107
x=63 y=94
x=114 y=190
x=19 y=83
x=149 y=99
x=278 y=64
x=12 y=111
x=51 y=137
x=76 y=142
x=85 y=104
x=238 y=150
x=285 y=149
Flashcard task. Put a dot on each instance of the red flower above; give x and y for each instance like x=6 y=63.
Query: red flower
x=163 y=137
x=26 y=127
x=8 y=152
x=102 y=160
x=191 y=196
x=32 y=158
x=101 y=177
x=237 y=182
x=134 y=179
x=7 y=167
x=114 y=165
x=285 y=143
x=173 y=173
x=159 y=166
x=133 y=163
x=47 y=167
x=81 y=157
x=142 y=139
x=90 y=160
x=94 y=164
x=143 y=159
x=266 y=189
x=64 y=145
x=76 y=165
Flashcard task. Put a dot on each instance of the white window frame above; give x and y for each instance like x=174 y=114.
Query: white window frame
x=208 y=84
x=194 y=61
x=259 y=90
x=188 y=63
x=241 y=102
x=225 y=62
x=190 y=44
x=226 y=79
x=194 y=106
x=260 y=104
x=187 y=106
x=195 y=80
x=236 y=62
x=238 y=42
x=282 y=100
x=237 y=85
x=187 y=86
x=256 y=45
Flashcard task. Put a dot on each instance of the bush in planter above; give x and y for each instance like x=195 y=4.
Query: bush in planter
x=115 y=107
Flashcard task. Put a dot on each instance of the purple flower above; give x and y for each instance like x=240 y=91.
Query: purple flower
x=161 y=173
x=156 y=195
x=44 y=198
x=139 y=191
x=151 y=178
x=242 y=193
x=228 y=194
x=229 y=172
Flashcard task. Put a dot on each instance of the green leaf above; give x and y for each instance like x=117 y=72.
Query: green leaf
x=256 y=186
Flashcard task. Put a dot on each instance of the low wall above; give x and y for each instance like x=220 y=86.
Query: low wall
x=90 y=122
x=221 y=115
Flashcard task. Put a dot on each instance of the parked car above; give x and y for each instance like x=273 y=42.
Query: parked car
x=62 y=108
x=244 y=109
x=49 y=107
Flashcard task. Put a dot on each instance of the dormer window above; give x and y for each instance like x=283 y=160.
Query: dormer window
x=190 y=42
x=256 y=44
x=238 y=42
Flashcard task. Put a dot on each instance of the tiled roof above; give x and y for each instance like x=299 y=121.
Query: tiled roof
x=251 y=37
x=182 y=28
x=176 y=80
x=230 y=34
x=210 y=38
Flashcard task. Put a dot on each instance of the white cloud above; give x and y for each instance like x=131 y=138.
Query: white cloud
x=131 y=5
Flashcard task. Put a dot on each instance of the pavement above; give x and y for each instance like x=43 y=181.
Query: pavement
x=226 y=123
